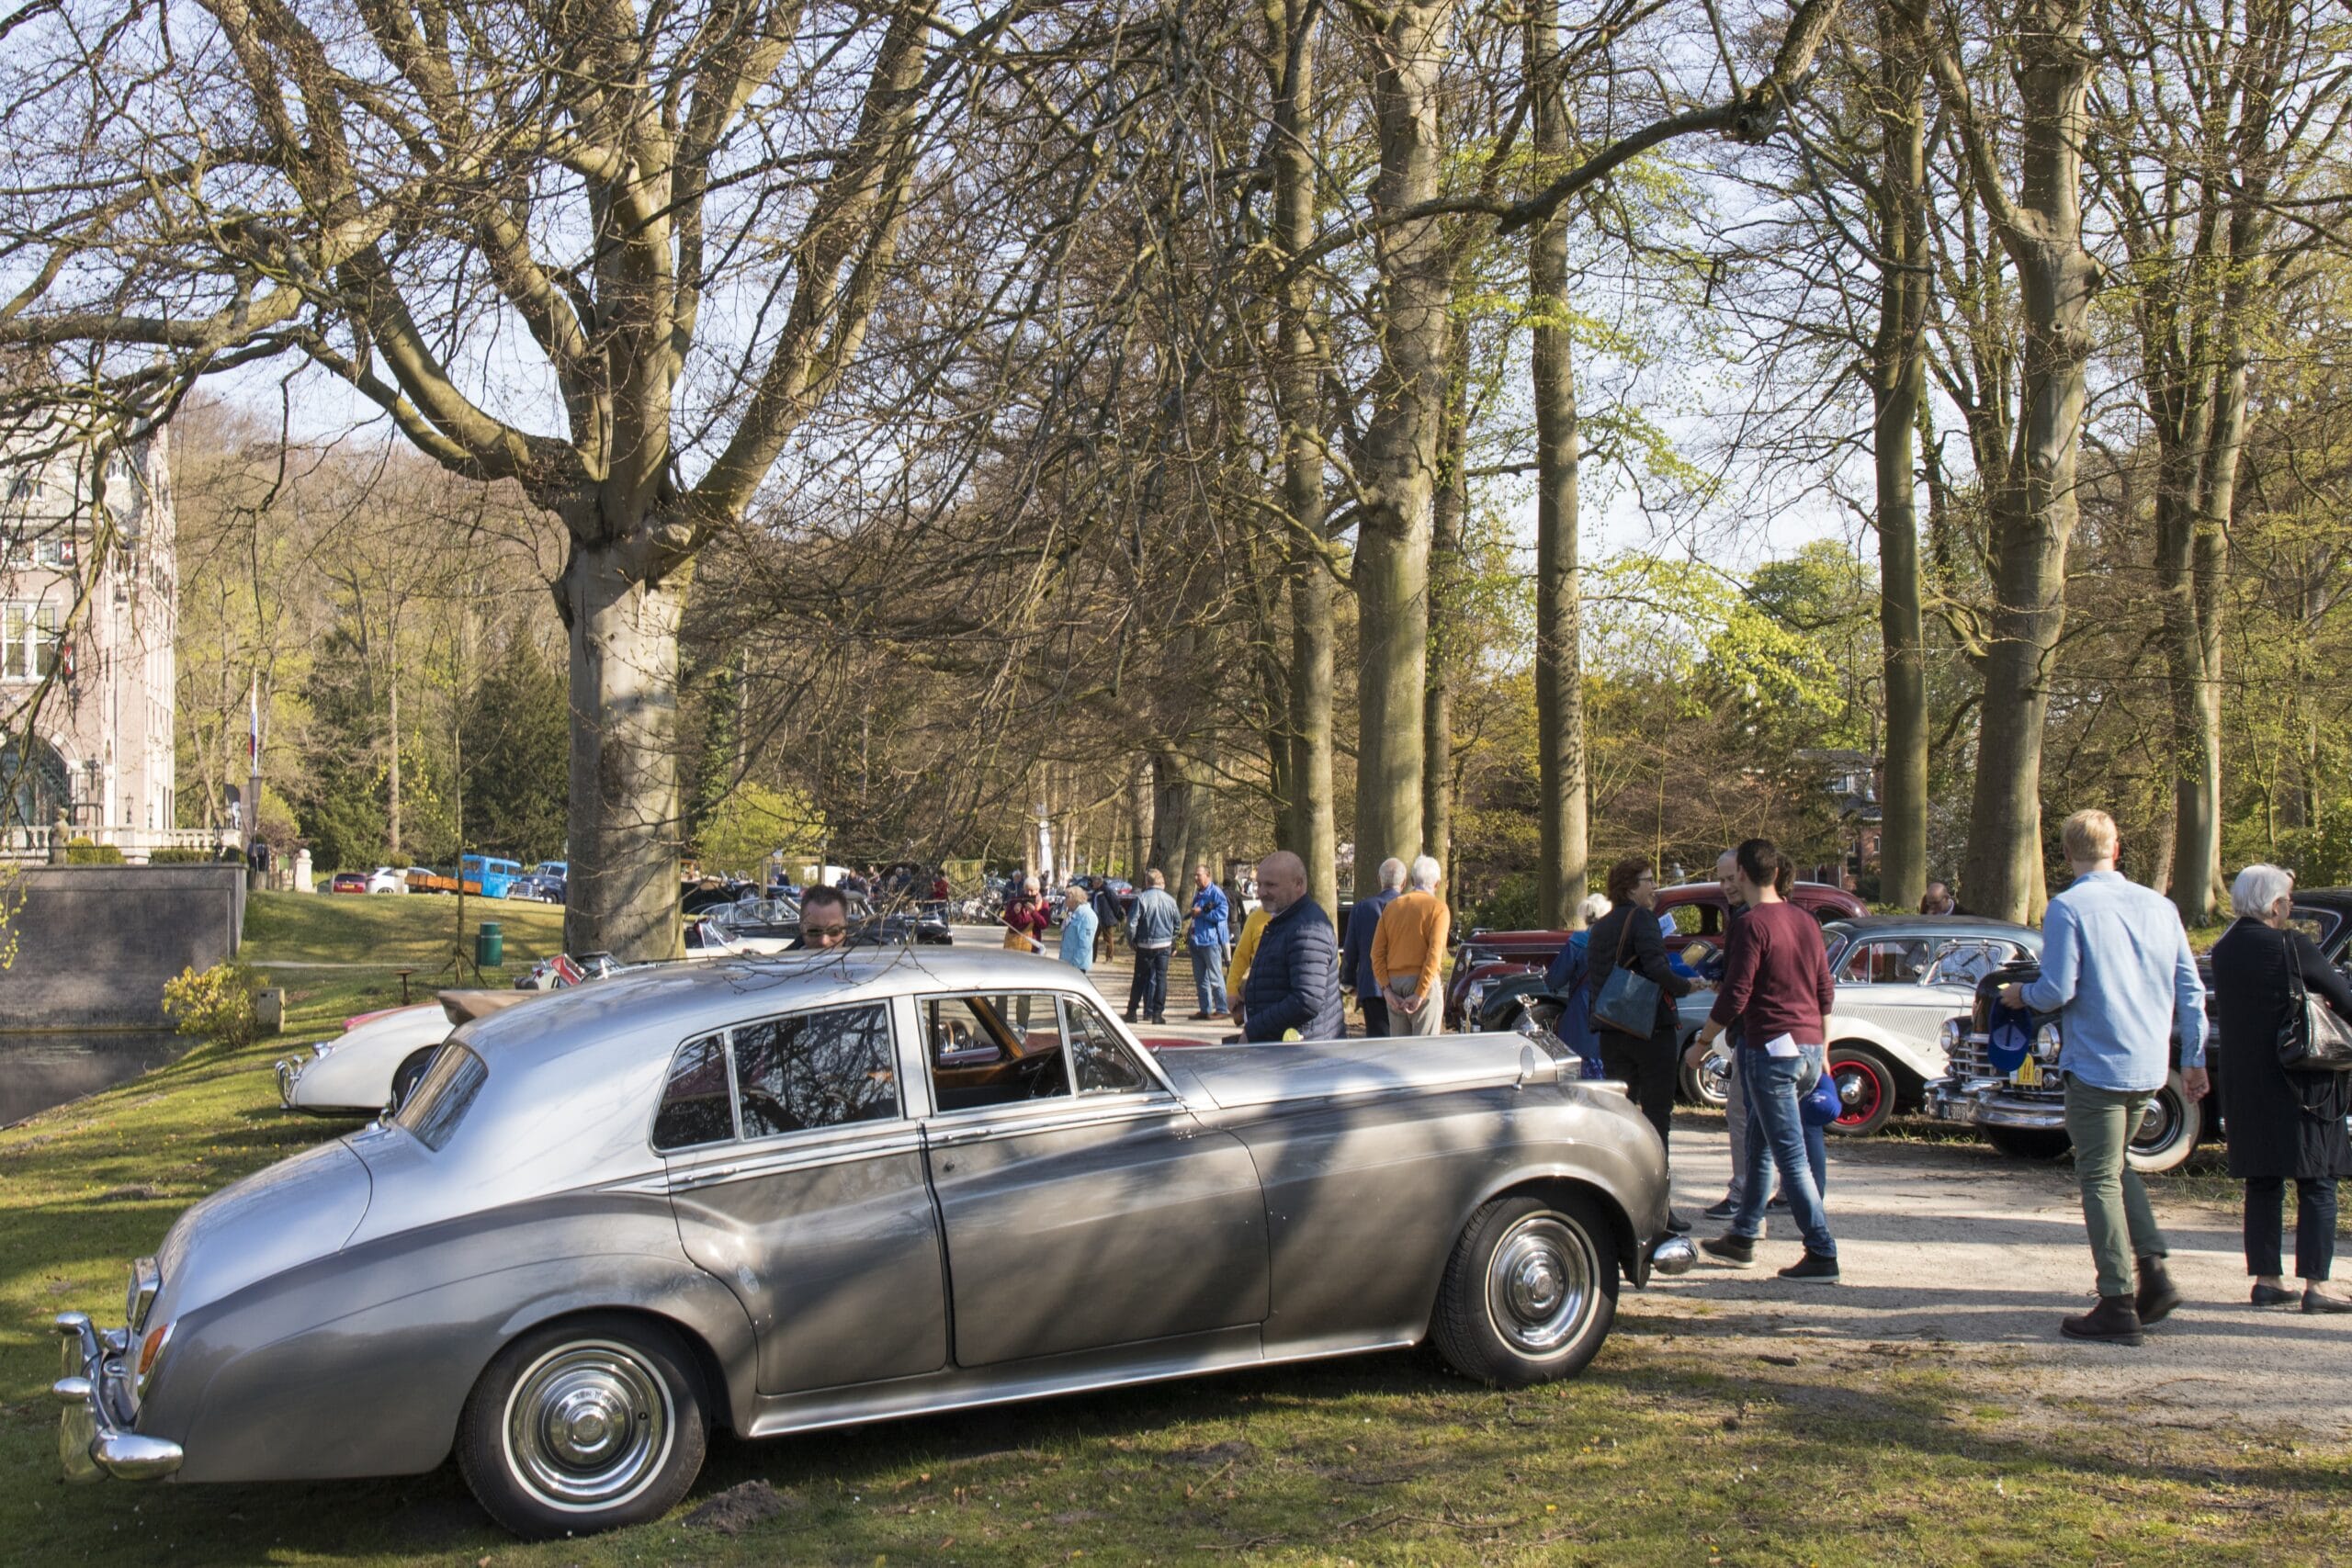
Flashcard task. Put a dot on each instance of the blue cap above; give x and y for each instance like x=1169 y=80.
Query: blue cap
x=2010 y=1038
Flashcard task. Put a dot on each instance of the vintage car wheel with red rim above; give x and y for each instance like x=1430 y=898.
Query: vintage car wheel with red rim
x=1865 y=1090
x=587 y=1424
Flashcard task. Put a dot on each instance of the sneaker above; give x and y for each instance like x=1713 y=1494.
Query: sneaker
x=1722 y=1211
x=2319 y=1301
x=1812 y=1266
x=1740 y=1251
x=2271 y=1296
x=1159 y=1020
x=1779 y=1201
x=2157 y=1295
x=1676 y=1224
x=2115 y=1321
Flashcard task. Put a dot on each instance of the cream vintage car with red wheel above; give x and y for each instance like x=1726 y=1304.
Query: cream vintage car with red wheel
x=1899 y=978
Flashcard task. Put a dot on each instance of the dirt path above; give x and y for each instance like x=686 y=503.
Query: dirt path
x=1956 y=1250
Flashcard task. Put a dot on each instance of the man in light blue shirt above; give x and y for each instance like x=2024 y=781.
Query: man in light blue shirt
x=1077 y=927
x=2116 y=967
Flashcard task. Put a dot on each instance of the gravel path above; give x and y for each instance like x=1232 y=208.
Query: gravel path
x=1956 y=1246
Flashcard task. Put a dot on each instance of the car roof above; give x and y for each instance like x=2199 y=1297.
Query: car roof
x=1873 y=925
x=678 y=1000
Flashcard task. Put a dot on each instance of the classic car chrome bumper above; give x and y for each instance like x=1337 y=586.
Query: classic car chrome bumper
x=91 y=1439
x=1994 y=1104
x=1674 y=1255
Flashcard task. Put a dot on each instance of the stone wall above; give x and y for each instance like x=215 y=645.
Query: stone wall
x=96 y=943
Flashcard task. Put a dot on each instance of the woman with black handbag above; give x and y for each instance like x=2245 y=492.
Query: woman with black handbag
x=2283 y=1125
x=1638 y=1044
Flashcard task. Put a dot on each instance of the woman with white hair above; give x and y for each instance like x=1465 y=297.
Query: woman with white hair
x=2282 y=1125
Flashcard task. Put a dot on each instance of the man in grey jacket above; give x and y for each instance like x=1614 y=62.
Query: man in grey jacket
x=1151 y=931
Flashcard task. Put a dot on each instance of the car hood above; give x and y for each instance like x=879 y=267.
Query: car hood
x=273 y=1219
x=1232 y=1077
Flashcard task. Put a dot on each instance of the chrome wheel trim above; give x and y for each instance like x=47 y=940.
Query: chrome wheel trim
x=588 y=1426
x=1542 y=1284
x=2160 y=1126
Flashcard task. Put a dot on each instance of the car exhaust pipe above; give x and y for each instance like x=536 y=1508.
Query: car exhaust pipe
x=1675 y=1255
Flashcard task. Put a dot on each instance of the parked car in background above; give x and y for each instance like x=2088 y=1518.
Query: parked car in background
x=780 y=1197
x=1491 y=965
x=388 y=879
x=537 y=887
x=2022 y=1111
x=378 y=1058
x=1899 y=978
x=488 y=875
x=348 y=881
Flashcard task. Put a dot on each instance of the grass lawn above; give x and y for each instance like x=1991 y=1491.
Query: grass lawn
x=1662 y=1453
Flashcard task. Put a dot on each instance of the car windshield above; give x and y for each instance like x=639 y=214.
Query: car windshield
x=443 y=1097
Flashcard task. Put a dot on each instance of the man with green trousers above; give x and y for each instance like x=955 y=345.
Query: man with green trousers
x=2116 y=967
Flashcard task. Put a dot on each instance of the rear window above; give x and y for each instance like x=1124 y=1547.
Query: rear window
x=443 y=1096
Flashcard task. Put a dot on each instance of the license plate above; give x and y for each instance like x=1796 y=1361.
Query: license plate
x=2029 y=1074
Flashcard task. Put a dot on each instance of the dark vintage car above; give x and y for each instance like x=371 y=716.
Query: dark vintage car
x=2024 y=1112
x=793 y=1194
x=1491 y=965
x=757 y=925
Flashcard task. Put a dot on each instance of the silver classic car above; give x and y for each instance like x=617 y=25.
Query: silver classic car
x=801 y=1192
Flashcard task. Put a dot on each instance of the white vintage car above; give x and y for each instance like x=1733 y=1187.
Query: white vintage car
x=1899 y=976
x=370 y=1067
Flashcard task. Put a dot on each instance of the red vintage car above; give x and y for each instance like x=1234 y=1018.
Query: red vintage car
x=348 y=881
x=1489 y=962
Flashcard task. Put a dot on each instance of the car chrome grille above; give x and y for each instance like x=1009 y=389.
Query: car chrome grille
x=1972 y=1059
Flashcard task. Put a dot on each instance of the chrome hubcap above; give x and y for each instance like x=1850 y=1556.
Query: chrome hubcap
x=1541 y=1285
x=588 y=1426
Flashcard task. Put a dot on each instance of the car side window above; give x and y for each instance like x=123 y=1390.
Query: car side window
x=811 y=1070
x=695 y=1105
x=1098 y=1061
x=999 y=1049
x=1898 y=961
x=1966 y=963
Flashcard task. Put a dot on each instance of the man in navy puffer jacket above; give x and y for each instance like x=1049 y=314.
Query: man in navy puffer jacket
x=1293 y=982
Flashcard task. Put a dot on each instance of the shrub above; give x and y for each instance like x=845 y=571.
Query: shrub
x=1512 y=907
x=81 y=852
x=179 y=857
x=216 y=1004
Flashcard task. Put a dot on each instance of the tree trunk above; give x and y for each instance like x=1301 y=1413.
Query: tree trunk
x=2034 y=514
x=1399 y=467
x=1562 y=873
x=1310 y=828
x=393 y=786
x=624 y=817
x=1448 y=511
x=1179 y=816
x=1898 y=383
x=1139 y=816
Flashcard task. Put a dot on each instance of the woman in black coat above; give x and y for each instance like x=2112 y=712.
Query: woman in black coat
x=2281 y=1125
x=1648 y=1064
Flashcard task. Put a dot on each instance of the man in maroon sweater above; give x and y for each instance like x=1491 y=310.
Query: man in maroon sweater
x=1777 y=987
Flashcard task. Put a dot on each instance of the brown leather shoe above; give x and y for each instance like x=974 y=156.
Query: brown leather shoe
x=2157 y=1295
x=2115 y=1321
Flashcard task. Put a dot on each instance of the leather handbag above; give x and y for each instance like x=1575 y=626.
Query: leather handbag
x=1628 y=1002
x=2312 y=1040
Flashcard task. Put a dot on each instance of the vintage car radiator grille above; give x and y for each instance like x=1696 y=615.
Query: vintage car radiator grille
x=1969 y=1059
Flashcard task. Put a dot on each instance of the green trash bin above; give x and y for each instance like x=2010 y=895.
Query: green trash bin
x=490 y=945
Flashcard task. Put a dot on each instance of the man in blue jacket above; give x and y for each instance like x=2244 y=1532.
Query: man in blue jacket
x=1292 y=987
x=1151 y=931
x=1363 y=920
x=1206 y=942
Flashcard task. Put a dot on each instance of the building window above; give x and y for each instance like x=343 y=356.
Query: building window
x=27 y=641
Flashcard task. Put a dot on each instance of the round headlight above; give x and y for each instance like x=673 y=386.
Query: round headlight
x=2046 y=1044
x=1949 y=1035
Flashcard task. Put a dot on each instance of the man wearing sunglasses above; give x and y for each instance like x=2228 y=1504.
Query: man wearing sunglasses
x=824 y=921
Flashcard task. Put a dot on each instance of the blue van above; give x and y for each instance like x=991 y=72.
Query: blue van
x=495 y=876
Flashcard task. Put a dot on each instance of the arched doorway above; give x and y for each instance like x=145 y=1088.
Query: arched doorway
x=33 y=784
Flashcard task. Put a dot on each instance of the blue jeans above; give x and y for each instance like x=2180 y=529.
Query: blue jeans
x=1776 y=1137
x=1208 y=977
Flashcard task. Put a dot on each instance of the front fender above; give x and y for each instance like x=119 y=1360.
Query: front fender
x=360 y=1363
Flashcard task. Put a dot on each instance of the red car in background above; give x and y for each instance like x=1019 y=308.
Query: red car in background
x=1488 y=963
x=348 y=881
